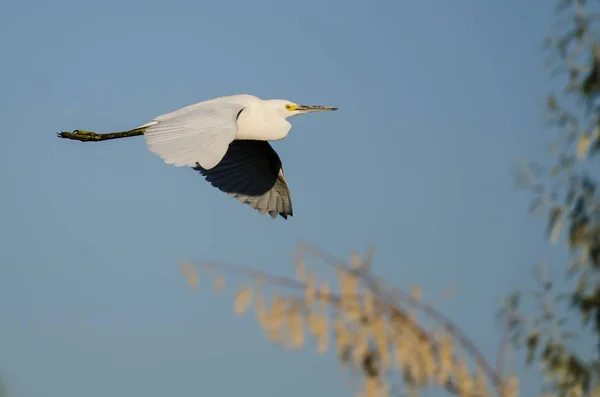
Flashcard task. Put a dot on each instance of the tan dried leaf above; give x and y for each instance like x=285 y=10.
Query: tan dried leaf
x=371 y=387
x=445 y=359
x=190 y=274
x=403 y=338
x=429 y=363
x=317 y=323
x=414 y=361
x=511 y=386
x=278 y=310
x=323 y=295
x=415 y=366
x=281 y=315
x=341 y=342
x=481 y=387
x=348 y=284
x=322 y=342
x=462 y=376
x=301 y=270
x=274 y=334
x=382 y=341
x=243 y=299
x=310 y=291
x=219 y=283
x=260 y=280
x=262 y=314
x=342 y=337
x=361 y=346
x=319 y=327
x=400 y=349
x=272 y=319
x=368 y=304
x=356 y=261
x=351 y=309
x=295 y=323
x=583 y=145
x=416 y=292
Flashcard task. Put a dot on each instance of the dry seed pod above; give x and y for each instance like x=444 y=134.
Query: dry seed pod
x=348 y=284
x=296 y=326
x=445 y=359
x=274 y=334
x=323 y=294
x=368 y=303
x=219 y=283
x=480 y=388
x=416 y=292
x=301 y=270
x=322 y=342
x=356 y=261
x=511 y=386
x=428 y=358
x=361 y=346
x=371 y=387
x=462 y=376
x=191 y=275
x=310 y=291
x=382 y=341
x=262 y=314
x=316 y=323
x=342 y=336
x=243 y=299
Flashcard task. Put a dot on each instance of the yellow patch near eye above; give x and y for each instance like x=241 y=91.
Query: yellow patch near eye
x=291 y=107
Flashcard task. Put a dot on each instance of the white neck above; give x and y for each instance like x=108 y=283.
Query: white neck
x=252 y=124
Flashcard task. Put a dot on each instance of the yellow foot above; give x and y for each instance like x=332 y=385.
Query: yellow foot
x=79 y=135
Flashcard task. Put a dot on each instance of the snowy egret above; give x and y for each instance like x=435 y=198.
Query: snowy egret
x=226 y=140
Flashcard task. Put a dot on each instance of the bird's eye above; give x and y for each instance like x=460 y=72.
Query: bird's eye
x=288 y=107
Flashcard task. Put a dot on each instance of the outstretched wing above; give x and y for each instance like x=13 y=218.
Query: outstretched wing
x=200 y=135
x=251 y=171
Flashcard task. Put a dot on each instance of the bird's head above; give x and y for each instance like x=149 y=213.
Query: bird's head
x=287 y=108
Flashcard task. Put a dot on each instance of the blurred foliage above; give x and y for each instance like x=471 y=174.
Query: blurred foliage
x=390 y=341
x=565 y=191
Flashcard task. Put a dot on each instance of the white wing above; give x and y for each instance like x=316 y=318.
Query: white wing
x=200 y=135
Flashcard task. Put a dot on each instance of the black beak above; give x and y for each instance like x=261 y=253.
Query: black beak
x=311 y=108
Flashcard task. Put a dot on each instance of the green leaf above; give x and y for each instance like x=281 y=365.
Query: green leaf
x=532 y=343
x=578 y=232
x=581 y=284
x=583 y=145
x=555 y=223
x=551 y=102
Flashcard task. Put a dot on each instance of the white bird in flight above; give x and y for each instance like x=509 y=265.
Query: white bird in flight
x=226 y=140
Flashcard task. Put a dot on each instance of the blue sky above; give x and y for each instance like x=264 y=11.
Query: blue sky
x=438 y=101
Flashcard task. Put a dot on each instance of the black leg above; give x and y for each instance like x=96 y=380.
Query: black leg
x=88 y=136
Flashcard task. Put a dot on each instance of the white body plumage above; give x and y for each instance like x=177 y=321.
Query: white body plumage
x=226 y=140
x=200 y=133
